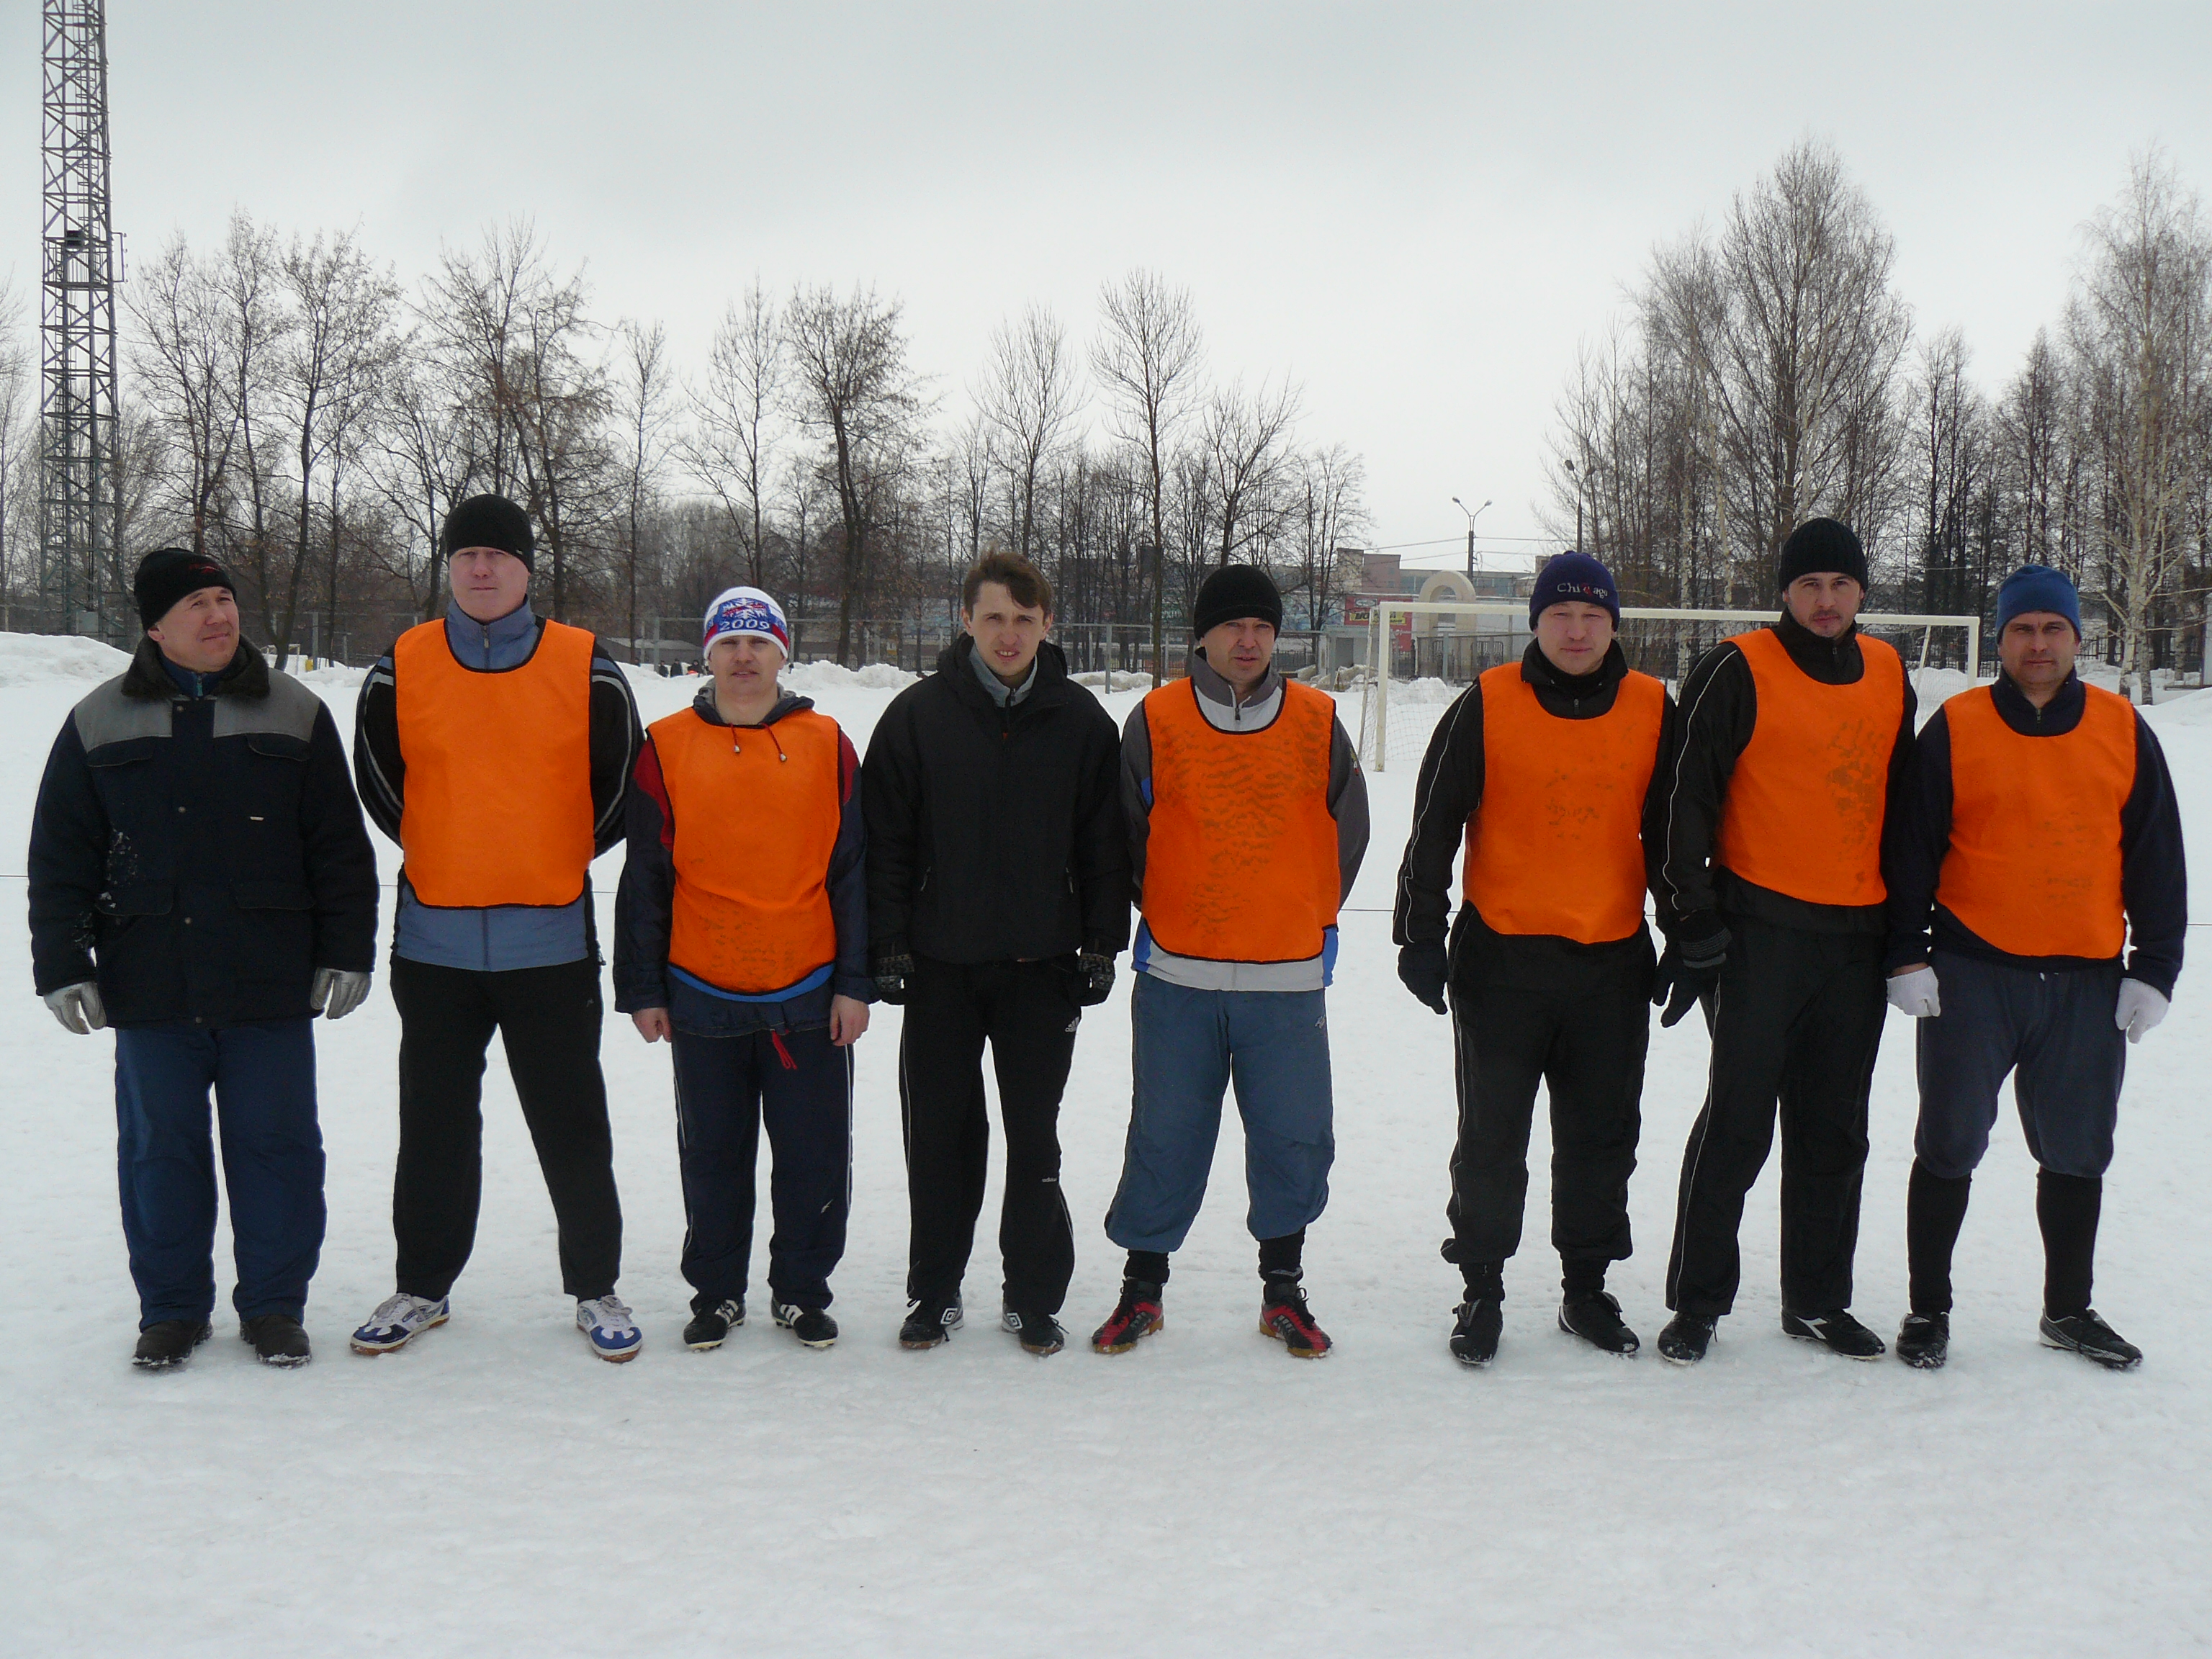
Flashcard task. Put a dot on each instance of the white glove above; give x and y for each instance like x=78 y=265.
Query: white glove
x=80 y=1009
x=2139 y=1009
x=1914 y=991
x=337 y=992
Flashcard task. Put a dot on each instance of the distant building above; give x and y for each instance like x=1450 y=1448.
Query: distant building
x=1452 y=648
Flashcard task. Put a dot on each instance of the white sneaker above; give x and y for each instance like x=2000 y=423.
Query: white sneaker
x=398 y=1321
x=606 y=1322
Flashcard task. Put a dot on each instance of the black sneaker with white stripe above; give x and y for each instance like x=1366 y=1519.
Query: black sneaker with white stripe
x=1040 y=1333
x=2087 y=1335
x=812 y=1325
x=1924 y=1341
x=711 y=1327
x=930 y=1324
x=1836 y=1331
x=1595 y=1318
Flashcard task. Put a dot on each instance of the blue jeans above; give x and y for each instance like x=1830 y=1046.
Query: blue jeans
x=1188 y=1046
x=264 y=1078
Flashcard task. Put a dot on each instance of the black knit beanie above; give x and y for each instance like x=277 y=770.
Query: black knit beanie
x=1233 y=593
x=490 y=521
x=168 y=574
x=1822 y=546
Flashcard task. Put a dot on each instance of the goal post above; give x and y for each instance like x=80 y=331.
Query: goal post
x=1422 y=654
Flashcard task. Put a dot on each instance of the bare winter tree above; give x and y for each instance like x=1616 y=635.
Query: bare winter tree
x=1030 y=397
x=1947 y=468
x=254 y=329
x=1146 y=358
x=644 y=392
x=429 y=449
x=1331 y=514
x=1246 y=441
x=729 y=446
x=328 y=374
x=2139 y=329
x=852 y=388
x=177 y=362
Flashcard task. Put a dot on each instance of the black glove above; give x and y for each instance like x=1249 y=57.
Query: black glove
x=1094 y=978
x=1424 y=967
x=1687 y=973
x=891 y=974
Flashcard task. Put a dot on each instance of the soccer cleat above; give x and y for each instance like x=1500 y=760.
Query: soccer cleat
x=167 y=1343
x=812 y=1325
x=606 y=1322
x=1135 y=1317
x=2087 y=1335
x=708 y=1329
x=930 y=1324
x=398 y=1321
x=1687 y=1338
x=1924 y=1341
x=277 y=1339
x=1838 y=1332
x=1041 y=1333
x=1596 y=1319
x=1284 y=1317
x=1476 y=1324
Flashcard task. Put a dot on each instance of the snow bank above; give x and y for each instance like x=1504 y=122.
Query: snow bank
x=32 y=659
x=813 y=678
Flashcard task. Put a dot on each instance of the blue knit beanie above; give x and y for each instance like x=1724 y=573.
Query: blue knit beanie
x=1573 y=579
x=2038 y=587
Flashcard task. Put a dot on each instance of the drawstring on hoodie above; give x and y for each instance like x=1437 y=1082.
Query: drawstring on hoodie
x=737 y=748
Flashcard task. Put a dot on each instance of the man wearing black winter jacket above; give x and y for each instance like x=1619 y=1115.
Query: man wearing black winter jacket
x=200 y=879
x=1795 y=739
x=998 y=899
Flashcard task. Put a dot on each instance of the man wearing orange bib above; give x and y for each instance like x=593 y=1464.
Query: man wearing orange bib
x=1794 y=740
x=741 y=938
x=1549 y=771
x=1248 y=819
x=496 y=748
x=2041 y=838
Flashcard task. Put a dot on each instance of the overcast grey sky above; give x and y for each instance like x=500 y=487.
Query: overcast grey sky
x=1419 y=211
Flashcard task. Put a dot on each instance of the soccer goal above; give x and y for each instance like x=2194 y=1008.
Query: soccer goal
x=1421 y=654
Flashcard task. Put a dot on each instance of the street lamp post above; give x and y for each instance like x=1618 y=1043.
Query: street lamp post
x=1471 y=518
x=1576 y=473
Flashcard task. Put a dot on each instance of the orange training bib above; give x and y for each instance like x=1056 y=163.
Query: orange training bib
x=1241 y=859
x=756 y=816
x=498 y=801
x=1804 y=810
x=2034 y=861
x=1557 y=845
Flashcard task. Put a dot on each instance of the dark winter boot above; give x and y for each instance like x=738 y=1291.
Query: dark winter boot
x=1476 y=1324
x=2087 y=1335
x=1836 y=1331
x=710 y=1327
x=1594 y=1316
x=168 y=1343
x=930 y=1324
x=277 y=1339
x=1687 y=1337
x=1135 y=1317
x=1284 y=1317
x=1924 y=1341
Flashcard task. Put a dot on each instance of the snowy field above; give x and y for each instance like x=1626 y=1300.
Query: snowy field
x=496 y=1490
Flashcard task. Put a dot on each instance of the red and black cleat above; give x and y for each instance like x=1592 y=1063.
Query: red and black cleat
x=1136 y=1316
x=1284 y=1317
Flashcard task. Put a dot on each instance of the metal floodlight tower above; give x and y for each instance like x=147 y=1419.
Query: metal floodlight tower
x=80 y=497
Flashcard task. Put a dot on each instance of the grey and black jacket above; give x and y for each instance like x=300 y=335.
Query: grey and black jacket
x=198 y=848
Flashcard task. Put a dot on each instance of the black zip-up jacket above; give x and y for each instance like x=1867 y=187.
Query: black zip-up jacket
x=1719 y=707
x=645 y=901
x=1450 y=789
x=2153 y=879
x=199 y=856
x=995 y=834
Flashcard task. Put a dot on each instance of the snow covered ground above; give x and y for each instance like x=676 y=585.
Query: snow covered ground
x=497 y=1490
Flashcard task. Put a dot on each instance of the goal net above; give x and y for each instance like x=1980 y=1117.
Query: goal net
x=1422 y=654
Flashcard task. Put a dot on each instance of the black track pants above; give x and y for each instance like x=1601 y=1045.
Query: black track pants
x=801 y=1086
x=547 y=1019
x=1028 y=1013
x=1586 y=1047
x=1797 y=1020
